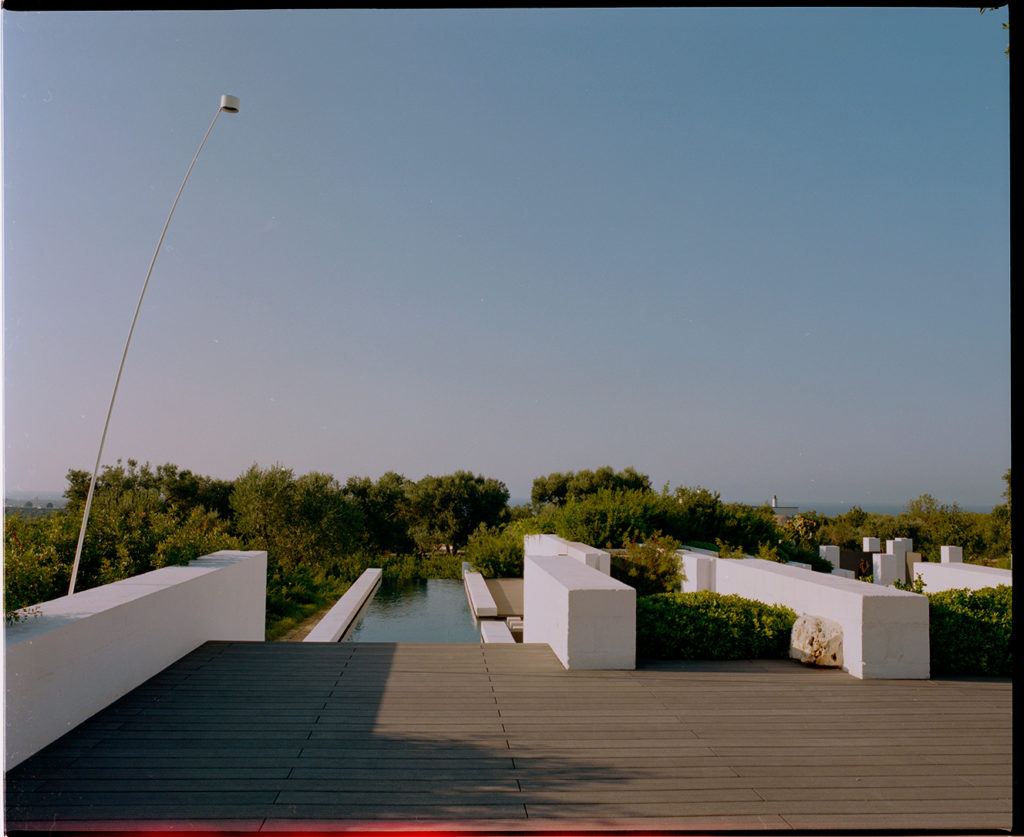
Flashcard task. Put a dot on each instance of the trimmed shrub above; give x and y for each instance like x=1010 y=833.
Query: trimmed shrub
x=651 y=567
x=495 y=553
x=971 y=631
x=711 y=626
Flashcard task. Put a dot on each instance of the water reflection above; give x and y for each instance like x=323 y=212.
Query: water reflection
x=430 y=610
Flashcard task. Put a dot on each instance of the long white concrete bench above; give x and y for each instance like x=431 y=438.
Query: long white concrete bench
x=83 y=652
x=585 y=616
x=480 y=599
x=885 y=631
x=337 y=621
x=952 y=576
x=495 y=630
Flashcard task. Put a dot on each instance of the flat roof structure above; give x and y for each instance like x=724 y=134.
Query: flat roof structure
x=256 y=736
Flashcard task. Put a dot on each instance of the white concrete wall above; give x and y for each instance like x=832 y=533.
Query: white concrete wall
x=336 y=622
x=480 y=599
x=885 y=631
x=552 y=545
x=586 y=617
x=85 y=651
x=952 y=576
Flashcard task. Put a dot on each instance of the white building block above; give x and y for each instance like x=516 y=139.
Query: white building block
x=552 y=545
x=480 y=598
x=831 y=554
x=586 y=617
x=545 y=545
x=899 y=546
x=336 y=622
x=951 y=554
x=953 y=576
x=83 y=652
x=887 y=567
x=596 y=558
x=872 y=545
x=698 y=570
x=844 y=573
x=798 y=565
x=885 y=631
x=495 y=631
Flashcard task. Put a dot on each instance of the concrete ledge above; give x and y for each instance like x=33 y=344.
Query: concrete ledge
x=83 y=652
x=337 y=620
x=885 y=631
x=953 y=576
x=495 y=630
x=481 y=602
x=553 y=545
x=586 y=617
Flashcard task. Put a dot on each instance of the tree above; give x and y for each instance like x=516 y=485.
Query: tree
x=384 y=507
x=559 y=488
x=444 y=511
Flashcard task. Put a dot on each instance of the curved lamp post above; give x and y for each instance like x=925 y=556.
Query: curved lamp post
x=228 y=104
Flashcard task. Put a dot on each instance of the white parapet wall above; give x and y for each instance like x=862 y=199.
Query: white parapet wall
x=952 y=576
x=585 y=616
x=553 y=545
x=80 y=653
x=480 y=599
x=337 y=621
x=885 y=631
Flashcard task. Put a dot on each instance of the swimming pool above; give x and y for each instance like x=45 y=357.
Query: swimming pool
x=430 y=610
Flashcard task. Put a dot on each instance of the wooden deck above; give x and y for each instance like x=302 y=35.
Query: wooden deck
x=361 y=736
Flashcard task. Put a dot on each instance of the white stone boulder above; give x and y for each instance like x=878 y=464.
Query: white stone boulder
x=817 y=641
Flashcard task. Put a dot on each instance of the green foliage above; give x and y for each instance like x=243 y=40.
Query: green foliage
x=301 y=522
x=496 y=553
x=727 y=551
x=558 y=488
x=971 y=631
x=985 y=538
x=915 y=586
x=385 y=512
x=710 y=626
x=446 y=510
x=409 y=567
x=650 y=567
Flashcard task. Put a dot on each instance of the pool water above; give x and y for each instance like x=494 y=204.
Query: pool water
x=430 y=610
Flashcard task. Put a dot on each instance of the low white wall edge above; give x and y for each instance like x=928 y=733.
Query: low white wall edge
x=83 y=652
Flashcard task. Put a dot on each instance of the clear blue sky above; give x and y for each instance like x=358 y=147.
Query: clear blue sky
x=765 y=251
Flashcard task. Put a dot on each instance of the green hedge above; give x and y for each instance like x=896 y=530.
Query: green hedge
x=971 y=631
x=711 y=626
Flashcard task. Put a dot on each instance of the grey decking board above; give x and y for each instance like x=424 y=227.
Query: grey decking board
x=418 y=729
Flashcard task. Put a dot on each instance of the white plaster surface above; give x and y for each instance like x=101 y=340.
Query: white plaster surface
x=885 y=631
x=887 y=567
x=495 y=630
x=951 y=554
x=586 y=617
x=830 y=553
x=872 y=545
x=85 y=651
x=698 y=570
x=480 y=599
x=336 y=622
x=952 y=576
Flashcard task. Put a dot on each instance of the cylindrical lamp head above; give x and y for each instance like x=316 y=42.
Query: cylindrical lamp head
x=229 y=103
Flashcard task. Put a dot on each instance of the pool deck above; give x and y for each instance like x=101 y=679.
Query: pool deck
x=379 y=737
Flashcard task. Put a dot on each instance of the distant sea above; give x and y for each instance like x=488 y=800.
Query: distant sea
x=827 y=509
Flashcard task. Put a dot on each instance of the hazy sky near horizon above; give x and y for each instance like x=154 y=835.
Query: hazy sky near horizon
x=765 y=251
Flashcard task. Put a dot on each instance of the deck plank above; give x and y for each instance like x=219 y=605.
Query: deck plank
x=277 y=736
